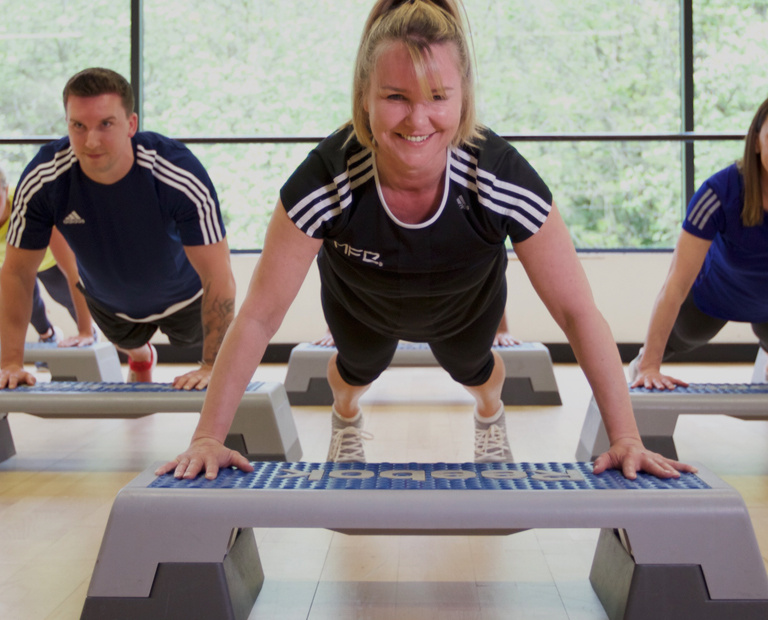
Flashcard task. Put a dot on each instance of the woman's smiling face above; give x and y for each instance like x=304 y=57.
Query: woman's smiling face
x=410 y=129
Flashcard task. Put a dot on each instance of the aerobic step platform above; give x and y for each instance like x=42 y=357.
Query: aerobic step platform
x=176 y=549
x=529 y=380
x=263 y=427
x=656 y=412
x=95 y=362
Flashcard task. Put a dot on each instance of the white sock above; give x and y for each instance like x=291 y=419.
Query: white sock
x=351 y=420
x=492 y=419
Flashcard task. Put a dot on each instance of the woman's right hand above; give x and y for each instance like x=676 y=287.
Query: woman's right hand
x=504 y=339
x=204 y=454
x=325 y=341
x=655 y=379
x=14 y=375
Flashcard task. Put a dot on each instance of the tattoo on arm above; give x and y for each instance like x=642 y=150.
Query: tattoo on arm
x=217 y=314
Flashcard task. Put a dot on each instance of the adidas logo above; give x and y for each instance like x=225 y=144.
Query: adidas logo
x=462 y=203
x=73 y=218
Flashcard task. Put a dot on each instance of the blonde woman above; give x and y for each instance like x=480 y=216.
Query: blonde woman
x=407 y=209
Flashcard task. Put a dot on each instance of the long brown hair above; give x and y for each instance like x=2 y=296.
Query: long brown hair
x=751 y=168
x=418 y=24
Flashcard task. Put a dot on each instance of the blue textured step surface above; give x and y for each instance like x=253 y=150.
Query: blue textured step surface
x=76 y=387
x=709 y=388
x=428 y=476
x=423 y=346
x=44 y=346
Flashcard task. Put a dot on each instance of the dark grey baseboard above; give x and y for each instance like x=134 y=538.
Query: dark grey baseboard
x=561 y=353
x=718 y=353
x=167 y=354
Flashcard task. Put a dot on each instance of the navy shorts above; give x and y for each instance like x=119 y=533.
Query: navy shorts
x=183 y=328
x=364 y=353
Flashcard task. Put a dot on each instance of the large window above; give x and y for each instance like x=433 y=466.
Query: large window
x=589 y=92
x=41 y=45
x=730 y=48
x=590 y=67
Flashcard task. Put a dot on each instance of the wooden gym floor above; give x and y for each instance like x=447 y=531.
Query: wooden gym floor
x=56 y=493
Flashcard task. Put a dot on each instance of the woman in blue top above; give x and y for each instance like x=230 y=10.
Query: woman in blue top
x=719 y=270
x=407 y=209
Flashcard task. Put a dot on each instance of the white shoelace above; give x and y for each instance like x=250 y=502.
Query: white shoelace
x=491 y=442
x=347 y=445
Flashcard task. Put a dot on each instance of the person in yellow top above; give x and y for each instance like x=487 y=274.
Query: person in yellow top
x=58 y=273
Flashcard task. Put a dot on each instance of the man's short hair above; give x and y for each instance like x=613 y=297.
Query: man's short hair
x=98 y=81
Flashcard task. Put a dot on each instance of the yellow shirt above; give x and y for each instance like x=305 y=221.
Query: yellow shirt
x=48 y=260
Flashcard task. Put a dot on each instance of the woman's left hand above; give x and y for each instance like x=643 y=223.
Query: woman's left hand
x=197 y=379
x=504 y=339
x=631 y=456
x=81 y=340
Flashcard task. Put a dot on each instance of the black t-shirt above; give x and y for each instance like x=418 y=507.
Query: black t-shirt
x=427 y=279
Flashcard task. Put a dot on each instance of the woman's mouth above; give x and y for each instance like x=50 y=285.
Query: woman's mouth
x=415 y=139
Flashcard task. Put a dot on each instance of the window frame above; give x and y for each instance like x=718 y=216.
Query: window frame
x=687 y=137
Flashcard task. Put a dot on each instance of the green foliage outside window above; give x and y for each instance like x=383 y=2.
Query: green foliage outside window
x=283 y=68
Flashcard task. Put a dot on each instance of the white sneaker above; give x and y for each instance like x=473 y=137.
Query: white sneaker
x=764 y=354
x=56 y=336
x=491 y=442
x=347 y=440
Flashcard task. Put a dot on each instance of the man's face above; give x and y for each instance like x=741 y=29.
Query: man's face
x=100 y=132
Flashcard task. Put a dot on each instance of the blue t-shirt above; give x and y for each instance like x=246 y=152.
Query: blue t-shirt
x=129 y=236
x=733 y=281
x=419 y=281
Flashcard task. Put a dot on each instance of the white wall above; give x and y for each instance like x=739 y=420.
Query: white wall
x=625 y=286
